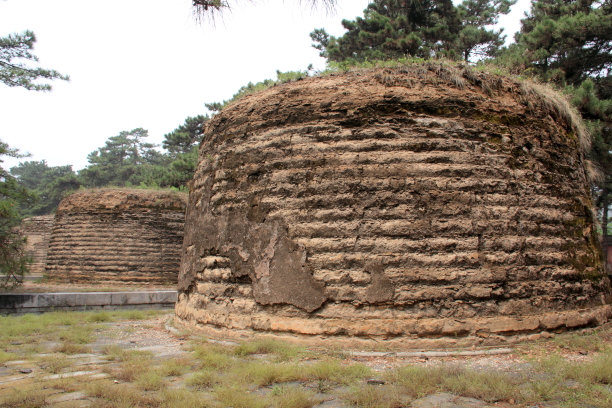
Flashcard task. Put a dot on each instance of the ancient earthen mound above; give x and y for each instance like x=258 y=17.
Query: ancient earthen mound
x=417 y=203
x=117 y=236
x=37 y=230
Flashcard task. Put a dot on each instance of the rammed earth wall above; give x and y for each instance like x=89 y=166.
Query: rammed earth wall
x=117 y=236
x=37 y=231
x=427 y=204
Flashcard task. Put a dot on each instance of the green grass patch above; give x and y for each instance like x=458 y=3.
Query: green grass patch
x=149 y=380
x=4 y=356
x=110 y=394
x=181 y=398
x=100 y=317
x=54 y=363
x=204 y=379
x=175 y=367
x=292 y=397
x=336 y=372
x=26 y=333
x=213 y=356
x=129 y=370
x=418 y=381
x=283 y=351
x=27 y=397
x=238 y=397
x=78 y=334
x=116 y=353
x=67 y=347
x=374 y=396
x=263 y=373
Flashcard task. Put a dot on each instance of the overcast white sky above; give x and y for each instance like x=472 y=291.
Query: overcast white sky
x=148 y=63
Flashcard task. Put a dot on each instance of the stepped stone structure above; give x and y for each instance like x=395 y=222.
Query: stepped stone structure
x=37 y=230
x=426 y=205
x=117 y=236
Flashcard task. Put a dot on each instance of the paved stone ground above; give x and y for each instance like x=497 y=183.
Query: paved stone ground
x=154 y=336
x=148 y=335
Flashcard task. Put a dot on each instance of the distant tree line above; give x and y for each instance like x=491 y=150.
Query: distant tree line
x=126 y=159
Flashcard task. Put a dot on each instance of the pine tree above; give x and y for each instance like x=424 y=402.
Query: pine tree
x=15 y=51
x=417 y=28
x=475 y=38
x=209 y=8
x=567 y=41
x=183 y=138
x=392 y=29
x=124 y=160
x=13 y=260
x=48 y=184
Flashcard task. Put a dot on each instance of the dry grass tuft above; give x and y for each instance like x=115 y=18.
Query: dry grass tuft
x=175 y=367
x=292 y=397
x=71 y=348
x=263 y=373
x=204 y=379
x=534 y=95
x=375 y=396
x=238 y=397
x=54 y=363
x=27 y=397
x=282 y=350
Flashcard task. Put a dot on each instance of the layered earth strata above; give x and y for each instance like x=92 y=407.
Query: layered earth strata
x=37 y=231
x=420 y=203
x=117 y=236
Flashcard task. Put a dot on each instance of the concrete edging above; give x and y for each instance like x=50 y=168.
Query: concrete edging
x=43 y=302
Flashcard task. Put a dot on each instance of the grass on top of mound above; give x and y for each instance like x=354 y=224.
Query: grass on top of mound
x=488 y=77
